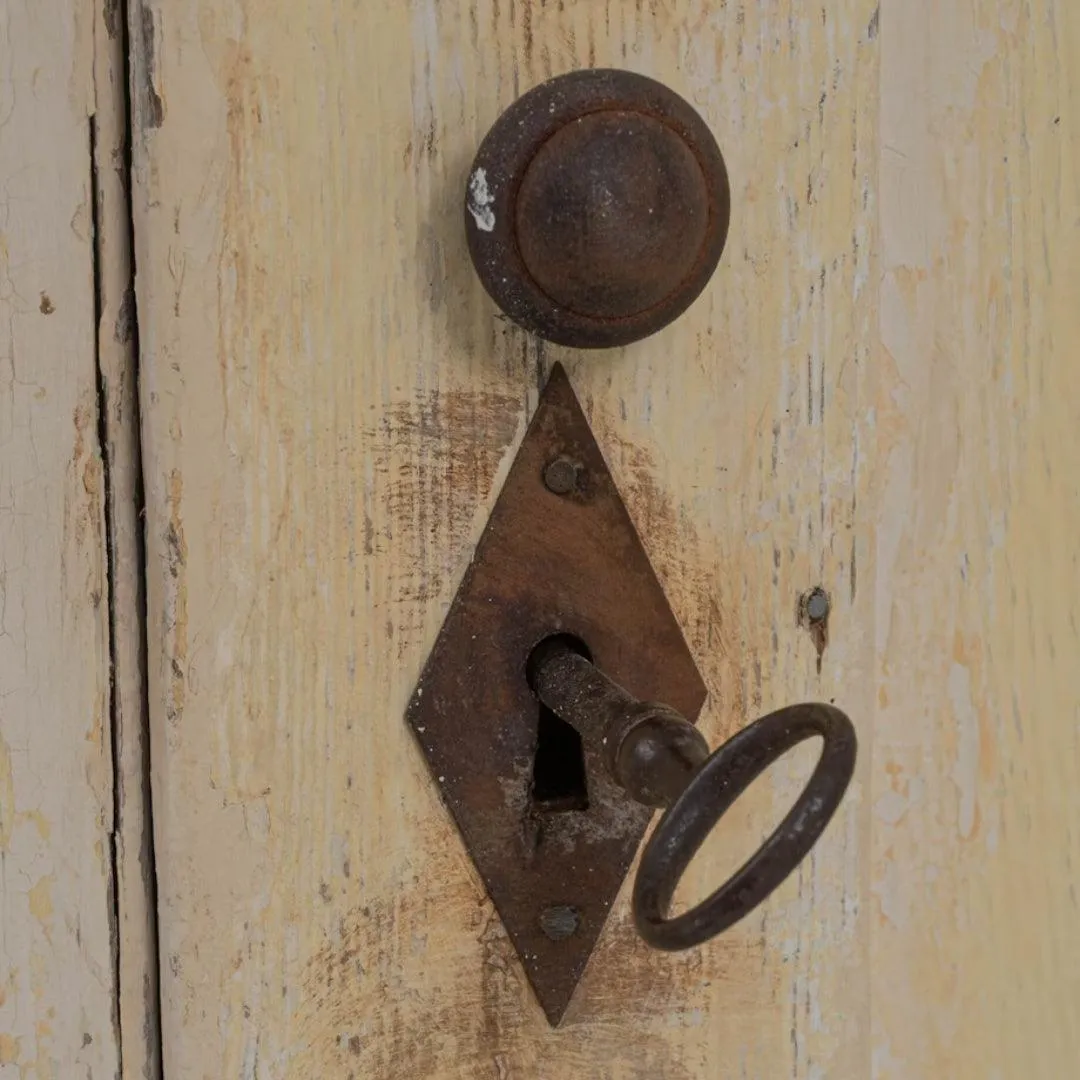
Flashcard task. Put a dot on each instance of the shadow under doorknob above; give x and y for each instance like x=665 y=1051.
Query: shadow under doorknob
x=597 y=208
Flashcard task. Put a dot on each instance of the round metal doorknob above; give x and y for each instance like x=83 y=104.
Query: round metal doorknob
x=597 y=208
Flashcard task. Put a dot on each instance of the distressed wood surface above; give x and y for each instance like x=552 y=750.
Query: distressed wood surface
x=58 y=961
x=117 y=345
x=864 y=400
x=976 y=785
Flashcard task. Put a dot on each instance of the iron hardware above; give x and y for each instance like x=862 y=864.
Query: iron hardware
x=532 y=712
x=597 y=208
x=661 y=759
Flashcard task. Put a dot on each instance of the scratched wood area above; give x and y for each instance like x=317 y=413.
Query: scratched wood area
x=867 y=399
x=58 y=960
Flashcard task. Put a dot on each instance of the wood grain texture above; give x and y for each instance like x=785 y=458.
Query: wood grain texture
x=57 y=942
x=330 y=404
x=976 y=812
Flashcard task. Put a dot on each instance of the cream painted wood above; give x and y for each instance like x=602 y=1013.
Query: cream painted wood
x=874 y=396
x=975 y=919
x=58 y=978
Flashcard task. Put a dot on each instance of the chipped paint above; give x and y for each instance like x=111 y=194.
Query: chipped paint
x=175 y=607
x=481 y=200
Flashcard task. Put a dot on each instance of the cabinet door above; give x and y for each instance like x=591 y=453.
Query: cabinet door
x=875 y=396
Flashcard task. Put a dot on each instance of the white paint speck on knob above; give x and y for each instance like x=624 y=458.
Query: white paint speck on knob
x=480 y=200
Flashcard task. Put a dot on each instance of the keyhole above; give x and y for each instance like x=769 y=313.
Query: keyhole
x=559 y=765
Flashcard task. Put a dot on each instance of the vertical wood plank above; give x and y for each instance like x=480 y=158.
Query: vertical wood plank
x=57 y=940
x=976 y=927
x=329 y=404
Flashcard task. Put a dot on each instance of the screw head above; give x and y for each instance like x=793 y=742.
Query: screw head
x=560 y=921
x=561 y=476
x=817 y=605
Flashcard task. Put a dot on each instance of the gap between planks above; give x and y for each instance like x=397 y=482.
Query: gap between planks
x=134 y=879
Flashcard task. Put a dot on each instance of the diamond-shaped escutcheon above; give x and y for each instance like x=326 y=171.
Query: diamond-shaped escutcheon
x=549 y=830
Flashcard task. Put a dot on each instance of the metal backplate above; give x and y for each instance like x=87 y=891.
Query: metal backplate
x=547 y=563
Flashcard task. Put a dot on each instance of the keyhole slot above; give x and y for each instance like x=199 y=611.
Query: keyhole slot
x=559 y=766
x=559 y=782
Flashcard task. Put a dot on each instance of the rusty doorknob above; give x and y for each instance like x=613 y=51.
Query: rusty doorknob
x=597 y=208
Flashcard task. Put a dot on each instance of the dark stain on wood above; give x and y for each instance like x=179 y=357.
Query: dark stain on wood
x=359 y=1006
x=854 y=571
x=152 y=109
x=435 y=460
x=110 y=13
x=175 y=550
x=874 y=24
x=46 y=305
x=124 y=329
x=527 y=32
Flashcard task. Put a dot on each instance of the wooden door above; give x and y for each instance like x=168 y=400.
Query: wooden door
x=876 y=396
